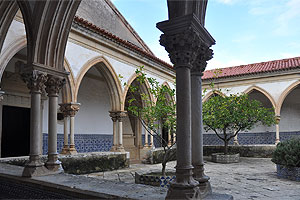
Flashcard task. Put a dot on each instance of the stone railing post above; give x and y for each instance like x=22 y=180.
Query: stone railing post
x=53 y=86
x=199 y=66
x=35 y=81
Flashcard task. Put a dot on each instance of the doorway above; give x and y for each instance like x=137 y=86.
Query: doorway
x=15 y=131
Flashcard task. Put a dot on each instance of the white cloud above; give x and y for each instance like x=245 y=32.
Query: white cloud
x=244 y=39
x=159 y=51
x=227 y=1
x=214 y=63
x=285 y=19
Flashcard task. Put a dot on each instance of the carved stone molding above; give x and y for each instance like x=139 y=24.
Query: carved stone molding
x=35 y=80
x=182 y=47
x=117 y=115
x=277 y=119
x=54 y=85
x=200 y=63
x=69 y=109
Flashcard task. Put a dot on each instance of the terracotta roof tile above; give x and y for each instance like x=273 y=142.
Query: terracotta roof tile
x=256 y=68
x=118 y=40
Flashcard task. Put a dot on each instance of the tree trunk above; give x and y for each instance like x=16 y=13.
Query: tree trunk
x=225 y=147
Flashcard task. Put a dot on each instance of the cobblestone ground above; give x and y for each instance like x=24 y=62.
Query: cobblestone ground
x=252 y=178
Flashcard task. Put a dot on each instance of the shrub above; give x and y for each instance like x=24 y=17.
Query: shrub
x=287 y=153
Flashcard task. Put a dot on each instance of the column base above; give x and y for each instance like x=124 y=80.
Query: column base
x=72 y=150
x=204 y=184
x=34 y=167
x=117 y=149
x=65 y=150
x=177 y=191
x=53 y=164
x=236 y=143
x=277 y=141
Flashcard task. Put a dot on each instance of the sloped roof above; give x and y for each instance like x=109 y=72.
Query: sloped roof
x=256 y=68
x=105 y=15
x=116 y=39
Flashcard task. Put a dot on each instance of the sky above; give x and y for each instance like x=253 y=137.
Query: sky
x=246 y=31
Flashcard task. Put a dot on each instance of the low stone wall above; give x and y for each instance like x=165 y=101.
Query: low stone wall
x=83 y=163
x=155 y=156
x=257 y=151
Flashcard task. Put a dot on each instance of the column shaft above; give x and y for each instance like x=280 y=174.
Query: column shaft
x=120 y=134
x=65 y=149
x=151 y=139
x=146 y=138
x=35 y=81
x=72 y=136
x=277 y=119
x=183 y=132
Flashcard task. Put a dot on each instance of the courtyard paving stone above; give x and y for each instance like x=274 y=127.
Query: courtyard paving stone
x=252 y=178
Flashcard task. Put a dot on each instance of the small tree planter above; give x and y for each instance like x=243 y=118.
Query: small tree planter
x=154 y=180
x=221 y=158
x=291 y=173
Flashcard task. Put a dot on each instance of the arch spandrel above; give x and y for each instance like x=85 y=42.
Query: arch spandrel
x=111 y=77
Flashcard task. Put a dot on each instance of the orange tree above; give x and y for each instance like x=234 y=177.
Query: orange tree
x=229 y=115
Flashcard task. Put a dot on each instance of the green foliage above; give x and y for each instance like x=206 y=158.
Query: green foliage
x=287 y=153
x=155 y=109
x=228 y=115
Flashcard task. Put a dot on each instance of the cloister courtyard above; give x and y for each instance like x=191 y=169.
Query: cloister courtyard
x=250 y=179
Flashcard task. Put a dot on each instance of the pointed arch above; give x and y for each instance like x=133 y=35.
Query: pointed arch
x=283 y=96
x=264 y=92
x=171 y=99
x=110 y=76
x=69 y=88
x=146 y=89
x=15 y=47
x=210 y=93
x=8 y=10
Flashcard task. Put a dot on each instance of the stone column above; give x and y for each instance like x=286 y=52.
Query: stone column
x=1 y=107
x=181 y=47
x=53 y=86
x=182 y=39
x=151 y=139
x=35 y=80
x=199 y=66
x=146 y=139
x=114 y=118
x=63 y=109
x=122 y=115
x=277 y=140
x=169 y=137
x=73 y=108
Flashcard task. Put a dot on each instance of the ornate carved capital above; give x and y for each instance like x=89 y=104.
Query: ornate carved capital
x=69 y=109
x=182 y=47
x=54 y=84
x=200 y=63
x=35 y=80
x=277 y=119
x=117 y=115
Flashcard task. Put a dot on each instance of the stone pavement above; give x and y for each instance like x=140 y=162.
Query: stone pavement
x=251 y=179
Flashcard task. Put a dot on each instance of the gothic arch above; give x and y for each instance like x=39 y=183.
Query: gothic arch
x=210 y=93
x=69 y=88
x=7 y=55
x=283 y=96
x=8 y=10
x=171 y=99
x=146 y=87
x=264 y=92
x=111 y=80
x=47 y=25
